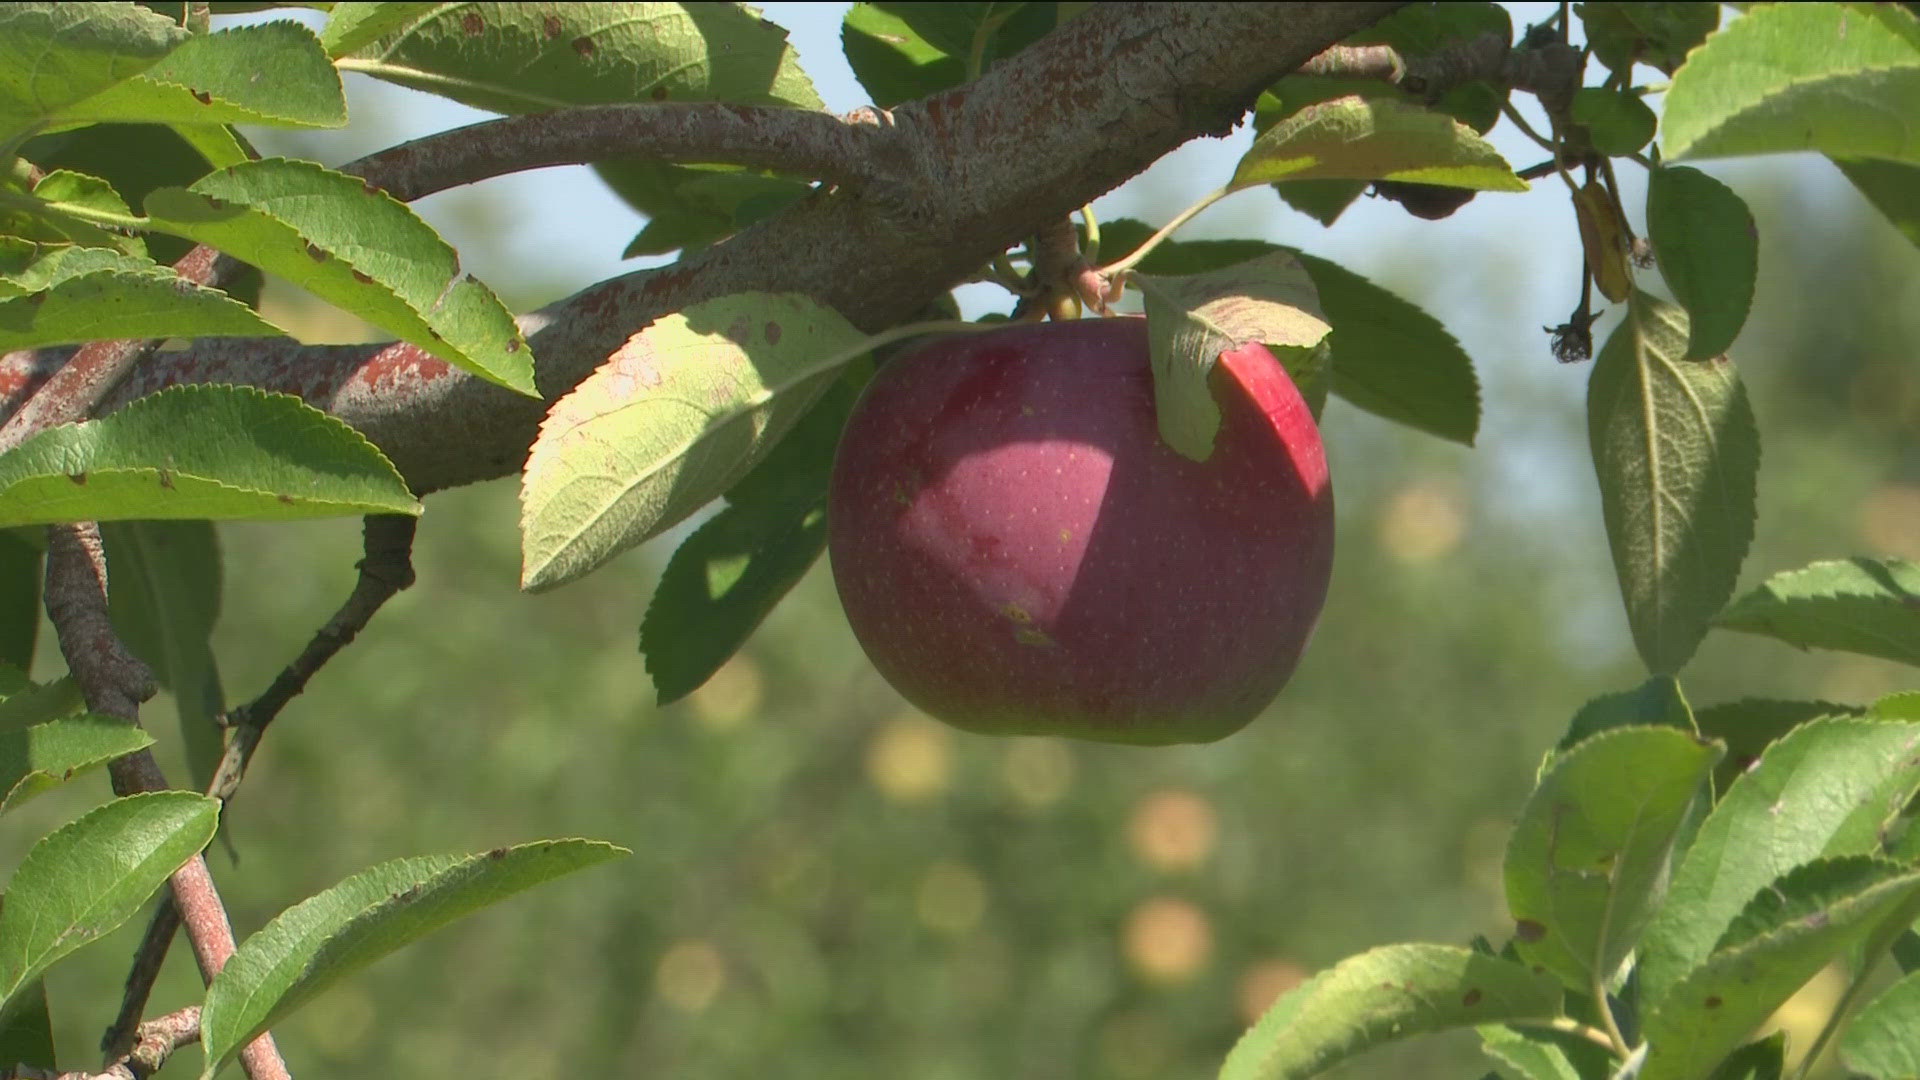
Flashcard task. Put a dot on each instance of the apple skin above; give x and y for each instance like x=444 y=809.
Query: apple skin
x=1019 y=552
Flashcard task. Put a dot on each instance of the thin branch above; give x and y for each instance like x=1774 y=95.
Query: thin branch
x=95 y=369
x=153 y=1043
x=114 y=682
x=386 y=569
x=121 y=1035
x=801 y=142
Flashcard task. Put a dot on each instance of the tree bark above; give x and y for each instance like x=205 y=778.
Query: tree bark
x=963 y=175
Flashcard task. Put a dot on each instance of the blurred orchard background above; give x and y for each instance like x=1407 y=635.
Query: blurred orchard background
x=825 y=884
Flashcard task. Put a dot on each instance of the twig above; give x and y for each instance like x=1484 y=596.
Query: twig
x=153 y=1043
x=147 y=960
x=386 y=569
x=114 y=682
x=801 y=142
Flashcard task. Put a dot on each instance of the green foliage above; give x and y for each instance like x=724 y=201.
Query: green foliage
x=327 y=937
x=1354 y=138
x=34 y=759
x=1192 y=319
x=89 y=877
x=1676 y=451
x=245 y=454
x=1709 y=254
x=673 y=419
x=1588 y=862
x=1867 y=606
x=165 y=602
x=354 y=246
x=1838 y=78
x=1384 y=994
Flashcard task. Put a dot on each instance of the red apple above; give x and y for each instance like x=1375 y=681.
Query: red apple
x=1019 y=552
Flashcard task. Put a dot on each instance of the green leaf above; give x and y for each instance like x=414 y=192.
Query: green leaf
x=200 y=451
x=44 y=756
x=726 y=577
x=903 y=51
x=1860 y=605
x=19 y=597
x=1658 y=701
x=1393 y=359
x=517 y=58
x=1763 y=1059
x=1356 y=138
x=691 y=205
x=272 y=73
x=1892 y=188
x=354 y=246
x=1879 y=1041
x=721 y=582
x=1709 y=253
x=671 y=420
x=32 y=268
x=83 y=880
x=1542 y=1054
x=323 y=939
x=1750 y=725
x=1192 y=319
x=37 y=704
x=1803 y=921
x=165 y=601
x=1382 y=995
x=1617 y=121
x=1676 y=451
x=1824 y=789
x=47 y=219
x=135 y=159
x=1843 y=79
x=108 y=305
x=1388 y=356
x=1657 y=34
x=54 y=55
x=351 y=27
x=1587 y=864
x=26 y=1030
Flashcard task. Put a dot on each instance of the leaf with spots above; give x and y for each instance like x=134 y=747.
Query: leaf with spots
x=517 y=58
x=1193 y=319
x=321 y=940
x=1676 y=452
x=200 y=451
x=1383 y=995
x=1797 y=924
x=1824 y=789
x=41 y=757
x=83 y=880
x=1587 y=864
x=356 y=247
x=1860 y=605
x=271 y=73
x=673 y=418
x=1843 y=79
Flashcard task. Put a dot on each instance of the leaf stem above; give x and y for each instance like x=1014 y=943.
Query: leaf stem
x=1615 y=1040
x=1507 y=110
x=1568 y=1025
x=1184 y=216
x=1092 y=248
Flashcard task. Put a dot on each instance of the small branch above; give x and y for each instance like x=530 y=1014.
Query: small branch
x=386 y=569
x=114 y=682
x=153 y=1043
x=147 y=960
x=801 y=142
x=93 y=371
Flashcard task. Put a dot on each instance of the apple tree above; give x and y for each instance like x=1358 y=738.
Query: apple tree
x=1679 y=871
